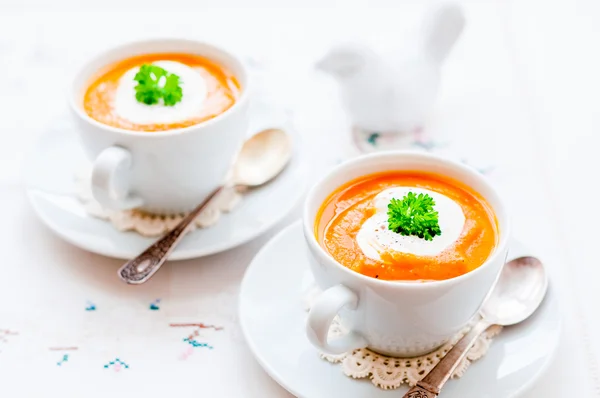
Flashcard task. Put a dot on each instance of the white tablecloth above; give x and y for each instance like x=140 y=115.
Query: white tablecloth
x=517 y=95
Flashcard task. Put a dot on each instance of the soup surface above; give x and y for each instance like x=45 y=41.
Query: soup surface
x=207 y=89
x=353 y=227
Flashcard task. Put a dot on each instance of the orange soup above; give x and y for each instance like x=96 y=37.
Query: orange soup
x=352 y=226
x=208 y=90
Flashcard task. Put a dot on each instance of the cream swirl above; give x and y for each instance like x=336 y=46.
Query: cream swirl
x=374 y=237
x=194 y=95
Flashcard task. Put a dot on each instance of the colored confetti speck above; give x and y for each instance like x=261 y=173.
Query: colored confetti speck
x=64 y=359
x=197 y=325
x=187 y=353
x=5 y=333
x=373 y=137
x=154 y=305
x=63 y=348
x=195 y=343
x=90 y=306
x=117 y=365
x=191 y=339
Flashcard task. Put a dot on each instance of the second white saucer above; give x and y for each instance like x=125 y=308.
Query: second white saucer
x=273 y=316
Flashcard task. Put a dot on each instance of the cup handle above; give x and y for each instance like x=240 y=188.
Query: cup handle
x=321 y=314
x=110 y=179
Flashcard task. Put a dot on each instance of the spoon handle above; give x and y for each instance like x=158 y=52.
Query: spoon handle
x=141 y=268
x=432 y=384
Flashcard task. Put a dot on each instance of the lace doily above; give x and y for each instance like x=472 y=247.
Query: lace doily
x=146 y=224
x=389 y=373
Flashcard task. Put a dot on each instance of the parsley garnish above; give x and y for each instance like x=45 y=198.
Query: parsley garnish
x=155 y=83
x=414 y=215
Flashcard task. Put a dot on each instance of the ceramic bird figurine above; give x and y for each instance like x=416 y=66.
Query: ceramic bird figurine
x=394 y=93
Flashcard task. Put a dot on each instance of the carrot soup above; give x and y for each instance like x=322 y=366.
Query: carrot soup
x=407 y=226
x=158 y=92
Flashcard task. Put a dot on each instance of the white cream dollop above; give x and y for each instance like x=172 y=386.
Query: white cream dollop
x=193 y=87
x=374 y=237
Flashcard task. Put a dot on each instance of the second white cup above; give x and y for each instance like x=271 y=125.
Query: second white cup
x=396 y=318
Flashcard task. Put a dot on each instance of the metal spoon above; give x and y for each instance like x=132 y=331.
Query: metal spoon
x=262 y=157
x=519 y=291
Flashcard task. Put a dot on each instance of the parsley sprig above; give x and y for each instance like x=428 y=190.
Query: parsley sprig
x=414 y=215
x=155 y=83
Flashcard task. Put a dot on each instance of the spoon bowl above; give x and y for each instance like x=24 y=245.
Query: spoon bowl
x=262 y=157
x=520 y=289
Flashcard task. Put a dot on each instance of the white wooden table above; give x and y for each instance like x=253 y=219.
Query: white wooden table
x=519 y=91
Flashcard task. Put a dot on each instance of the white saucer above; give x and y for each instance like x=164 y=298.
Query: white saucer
x=272 y=316
x=50 y=185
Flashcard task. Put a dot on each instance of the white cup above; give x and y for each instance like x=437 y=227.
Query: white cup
x=393 y=317
x=164 y=172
